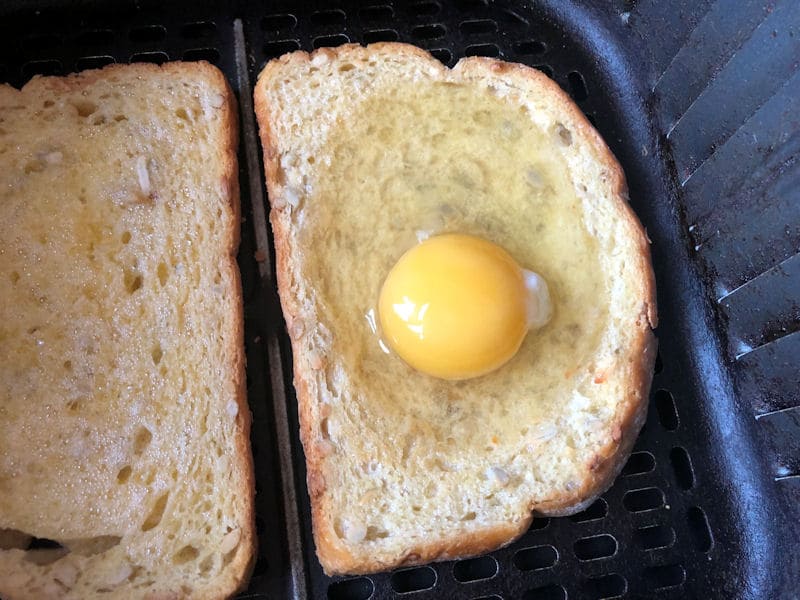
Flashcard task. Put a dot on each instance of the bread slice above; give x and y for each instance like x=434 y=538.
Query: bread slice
x=368 y=149
x=125 y=468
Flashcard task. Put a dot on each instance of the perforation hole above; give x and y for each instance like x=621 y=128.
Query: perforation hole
x=280 y=22
x=492 y=597
x=699 y=529
x=596 y=546
x=443 y=55
x=93 y=62
x=198 y=30
x=209 y=54
x=330 y=41
x=328 y=17
x=664 y=576
x=530 y=48
x=42 y=67
x=413 y=580
x=643 y=499
x=273 y=49
x=665 y=407
x=535 y=558
x=428 y=32
x=380 y=35
x=157 y=58
x=351 y=589
x=478 y=26
x=597 y=510
x=95 y=37
x=548 y=592
x=682 y=467
x=148 y=33
x=376 y=13
x=639 y=463
x=425 y=9
x=470 y=5
x=607 y=586
x=546 y=69
x=475 y=569
x=491 y=50
x=577 y=86
x=655 y=536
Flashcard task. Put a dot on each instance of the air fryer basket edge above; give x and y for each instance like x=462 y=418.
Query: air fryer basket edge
x=732 y=531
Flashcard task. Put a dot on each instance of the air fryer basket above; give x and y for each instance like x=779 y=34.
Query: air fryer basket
x=698 y=99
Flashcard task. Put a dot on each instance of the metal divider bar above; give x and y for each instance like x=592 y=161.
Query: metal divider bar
x=282 y=427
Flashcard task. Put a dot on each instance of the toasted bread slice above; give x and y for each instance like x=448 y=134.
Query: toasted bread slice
x=124 y=427
x=367 y=149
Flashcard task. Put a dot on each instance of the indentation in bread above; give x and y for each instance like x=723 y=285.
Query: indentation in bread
x=368 y=149
x=124 y=454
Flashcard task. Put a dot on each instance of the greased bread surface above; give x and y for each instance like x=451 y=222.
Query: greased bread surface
x=123 y=422
x=449 y=158
x=364 y=147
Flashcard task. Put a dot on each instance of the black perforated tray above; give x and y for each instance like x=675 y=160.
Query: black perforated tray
x=693 y=514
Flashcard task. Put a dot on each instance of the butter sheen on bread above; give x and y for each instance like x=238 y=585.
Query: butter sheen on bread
x=123 y=420
x=366 y=149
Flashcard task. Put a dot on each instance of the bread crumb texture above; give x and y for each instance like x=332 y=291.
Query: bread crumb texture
x=366 y=151
x=120 y=332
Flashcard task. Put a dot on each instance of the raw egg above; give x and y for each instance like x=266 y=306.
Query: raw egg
x=458 y=306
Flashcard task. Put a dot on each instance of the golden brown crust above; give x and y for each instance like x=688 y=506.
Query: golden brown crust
x=245 y=558
x=338 y=561
x=607 y=462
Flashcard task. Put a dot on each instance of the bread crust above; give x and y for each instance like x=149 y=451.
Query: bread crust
x=238 y=573
x=244 y=561
x=636 y=375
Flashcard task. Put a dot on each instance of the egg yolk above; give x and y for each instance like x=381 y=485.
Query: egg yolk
x=458 y=306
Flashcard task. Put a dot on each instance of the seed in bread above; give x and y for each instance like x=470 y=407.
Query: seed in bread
x=364 y=148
